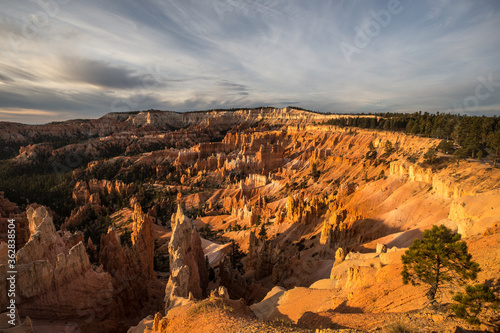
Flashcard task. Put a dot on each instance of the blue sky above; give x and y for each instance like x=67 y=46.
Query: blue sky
x=63 y=59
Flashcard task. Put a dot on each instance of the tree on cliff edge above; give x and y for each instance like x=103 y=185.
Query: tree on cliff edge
x=439 y=258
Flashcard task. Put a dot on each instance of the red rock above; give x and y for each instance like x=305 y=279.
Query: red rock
x=187 y=262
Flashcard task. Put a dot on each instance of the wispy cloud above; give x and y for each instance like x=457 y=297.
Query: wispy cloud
x=92 y=57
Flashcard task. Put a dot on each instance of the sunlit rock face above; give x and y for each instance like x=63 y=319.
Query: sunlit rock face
x=67 y=287
x=189 y=276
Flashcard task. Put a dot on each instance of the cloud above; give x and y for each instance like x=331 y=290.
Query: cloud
x=101 y=73
x=29 y=112
x=94 y=56
x=5 y=79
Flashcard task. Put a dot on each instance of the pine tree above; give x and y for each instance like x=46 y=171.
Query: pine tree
x=372 y=153
x=263 y=233
x=388 y=148
x=430 y=156
x=439 y=258
x=236 y=256
x=314 y=171
x=471 y=303
x=446 y=146
x=493 y=142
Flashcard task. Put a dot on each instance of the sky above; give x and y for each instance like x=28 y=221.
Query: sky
x=66 y=59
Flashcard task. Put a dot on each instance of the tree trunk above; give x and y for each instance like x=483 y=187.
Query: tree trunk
x=431 y=293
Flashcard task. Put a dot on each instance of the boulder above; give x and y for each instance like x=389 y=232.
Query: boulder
x=381 y=248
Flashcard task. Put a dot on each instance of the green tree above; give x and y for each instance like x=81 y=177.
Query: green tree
x=235 y=256
x=469 y=135
x=211 y=274
x=314 y=171
x=372 y=153
x=388 y=147
x=439 y=258
x=493 y=142
x=257 y=220
x=430 y=156
x=262 y=232
x=470 y=304
x=446 y=147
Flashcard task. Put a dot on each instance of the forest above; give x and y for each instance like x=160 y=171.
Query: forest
x=467 y=136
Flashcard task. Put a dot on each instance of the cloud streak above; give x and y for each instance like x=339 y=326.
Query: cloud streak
x=184 y=55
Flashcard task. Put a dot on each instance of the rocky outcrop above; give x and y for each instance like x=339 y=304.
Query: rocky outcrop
x=465 y=179
x=31 y=152
x=143 y=241
x=189 y=275
x=19 y=327
x=132 y=268
x=339 y=256
x=360 y=276
x=9 y=210
x=66 y=287
x=345 y=189
x=45 y=243
x=266 y=258
x=247 y=213
x=381 y=248
x=267 y=307
x=335 y=231
x=257 y=154
x=232 y=279
x=256 y=180
x=35 y=217
x=89 y=196
x=83 y=191
x=300 y=210
x=474 y=214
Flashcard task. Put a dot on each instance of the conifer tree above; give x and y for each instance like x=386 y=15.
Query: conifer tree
x=372 y=153
x=494 y=144
x=388 y=148
x=430 y=156
x=263 y=233
x=470 y=304
x=439 y=258
x=236 y=256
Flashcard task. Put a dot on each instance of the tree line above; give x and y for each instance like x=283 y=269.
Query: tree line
x=475 y=136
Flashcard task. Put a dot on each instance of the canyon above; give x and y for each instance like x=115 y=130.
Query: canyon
x=216 y=221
